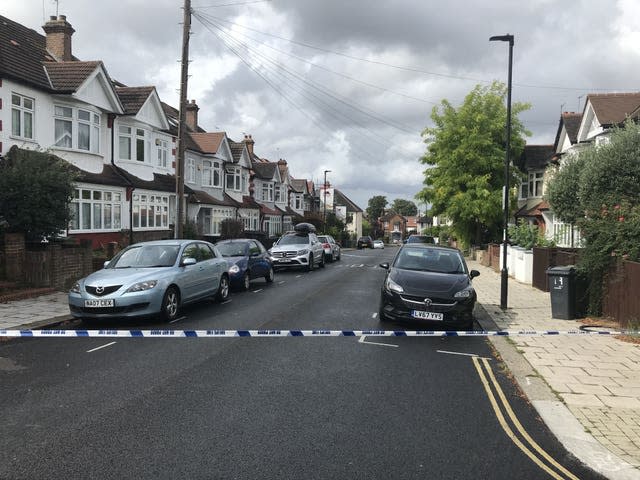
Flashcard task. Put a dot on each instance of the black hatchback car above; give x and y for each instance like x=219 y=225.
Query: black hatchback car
x=428 y=284
x=365 y=242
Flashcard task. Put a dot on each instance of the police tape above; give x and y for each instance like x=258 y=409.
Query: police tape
x=301 y=333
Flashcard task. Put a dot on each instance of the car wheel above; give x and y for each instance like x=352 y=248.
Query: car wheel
x=245 y=282
x=170 y=304
x=338 y=257
x=310 y=263
x=322 y=261
x=223 y=289
x=270 y=275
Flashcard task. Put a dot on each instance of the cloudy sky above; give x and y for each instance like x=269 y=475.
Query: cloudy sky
x=348 y=85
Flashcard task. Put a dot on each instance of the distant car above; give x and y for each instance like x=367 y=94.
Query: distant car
x=331 y=248
x=300 y=248
x=151 y=278
x=365 y=242
x=247 y=259
x=420 y=239
x=378 y=244
x=430 y=284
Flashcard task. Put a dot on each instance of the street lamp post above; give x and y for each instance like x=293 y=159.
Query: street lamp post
x=504 y=272
x=324 y=201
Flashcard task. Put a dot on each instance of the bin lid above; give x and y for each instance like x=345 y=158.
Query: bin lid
x=562 y=270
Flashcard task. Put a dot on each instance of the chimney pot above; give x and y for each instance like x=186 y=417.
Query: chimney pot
x=58 y=38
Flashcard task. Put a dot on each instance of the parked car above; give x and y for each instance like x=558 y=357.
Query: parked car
x=151 y=278
x=378 y=244
x=420 y=239
x=300 y=248
x=365 y=242
x=428 y=283
x=331 y=248
x=247 y=259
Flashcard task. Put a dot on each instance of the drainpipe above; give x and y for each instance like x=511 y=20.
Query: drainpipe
x=130 y=187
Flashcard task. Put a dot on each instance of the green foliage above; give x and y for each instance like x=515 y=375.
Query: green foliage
x=231 y=228
x=562 y=190
x=190 y=230
x=404 y=207
x=367 y=229
x=35 y=192
x=465 y=161
x=442 y=232
x=606 y=190
x=527 y=236
x=335 y=227
x=375 y=208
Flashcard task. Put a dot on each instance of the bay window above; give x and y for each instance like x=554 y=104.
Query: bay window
x=94 y=209
x=76 y=128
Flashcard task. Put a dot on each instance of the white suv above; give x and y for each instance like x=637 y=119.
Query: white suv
x=298 y=249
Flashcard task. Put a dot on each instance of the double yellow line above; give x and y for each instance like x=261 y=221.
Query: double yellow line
x=532 y=450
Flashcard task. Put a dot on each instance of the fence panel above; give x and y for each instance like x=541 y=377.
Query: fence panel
x=37 y=268
x=621 y=300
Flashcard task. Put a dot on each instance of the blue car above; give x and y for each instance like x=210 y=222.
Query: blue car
x=151 y=278
x=247 y=259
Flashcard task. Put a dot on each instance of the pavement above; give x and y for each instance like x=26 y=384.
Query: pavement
x=586 y=388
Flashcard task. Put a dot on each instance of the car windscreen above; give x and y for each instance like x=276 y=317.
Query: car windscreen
x=427 y=260
x=146 y=256
x=232 y=249
x=293 y=240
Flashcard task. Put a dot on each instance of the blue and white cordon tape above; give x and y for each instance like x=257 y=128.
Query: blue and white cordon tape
x=297 y=333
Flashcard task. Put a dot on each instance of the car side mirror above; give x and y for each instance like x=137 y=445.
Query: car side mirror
x=255 y=254
x=106 y=264
x=474 y=273
x=188 y=261
x=384 y=265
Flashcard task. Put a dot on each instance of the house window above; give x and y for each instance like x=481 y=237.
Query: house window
x=250 y=219
x=140 y=144
x=233 y=179
x=297 y=201
x=150 y=211
x=217 y=174
x=536 y=180
x=207 y=177
x=267 y=192
x=220 y=214
x=524 y=190
x=21 y=116
x=124 y=142
x=245 y=182
x=278 y=194
x=191 y=171
x=76 y=128
x=163 y=151
x=96 y=210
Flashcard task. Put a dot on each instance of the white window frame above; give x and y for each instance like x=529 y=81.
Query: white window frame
x=162 y=152
x=234 y=174
x=93 y=125
x=207 y=173
x=267 y=192
x=216 y=173
x=95 y=209
x=536 y=184
x=191 y=170
x=23 y=112
x=150 y=211
x=218 y=214
x=125 y=133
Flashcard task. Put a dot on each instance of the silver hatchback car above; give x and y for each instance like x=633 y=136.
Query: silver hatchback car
x=151 y=278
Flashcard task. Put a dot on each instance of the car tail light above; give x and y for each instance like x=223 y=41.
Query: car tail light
x=325 y=245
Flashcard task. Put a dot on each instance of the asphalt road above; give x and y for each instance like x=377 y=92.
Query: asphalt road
x=272 y=408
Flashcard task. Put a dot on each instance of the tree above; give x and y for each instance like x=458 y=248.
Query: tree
x=465 y=158
x=375 y=208
x=605 y=188
x=36 y=189
x=404 y=207
x=231 y=228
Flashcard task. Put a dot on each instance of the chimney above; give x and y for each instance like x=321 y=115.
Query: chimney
x=191 y=116
x=249 y=143
x=282 y=162
x=59 y=33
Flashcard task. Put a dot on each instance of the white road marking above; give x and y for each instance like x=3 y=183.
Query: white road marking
x=298 y=276
x=280 y=283
x=178 y=319
x=225 y=302
x=375 y=314
x=461 y=353
x=256 y=291
x=362 y=340
x=362 y=264
x=103 y=346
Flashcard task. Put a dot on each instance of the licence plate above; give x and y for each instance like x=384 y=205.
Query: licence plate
x=285 y=260
x=99 y=303
x=427 y=315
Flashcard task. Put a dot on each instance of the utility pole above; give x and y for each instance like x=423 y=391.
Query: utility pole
x=184 y=76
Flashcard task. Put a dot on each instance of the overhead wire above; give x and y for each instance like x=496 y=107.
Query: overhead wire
x=308 y=95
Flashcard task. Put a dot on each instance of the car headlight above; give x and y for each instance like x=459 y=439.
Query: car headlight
x=302 y=252
x=234 y=268
x=466 y=293
x=75 y=288
x=142 y=286
x=393 y=286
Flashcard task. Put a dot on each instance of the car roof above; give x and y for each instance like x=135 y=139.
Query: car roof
x=169 y=241
x=430 y=246
x=236 y=240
